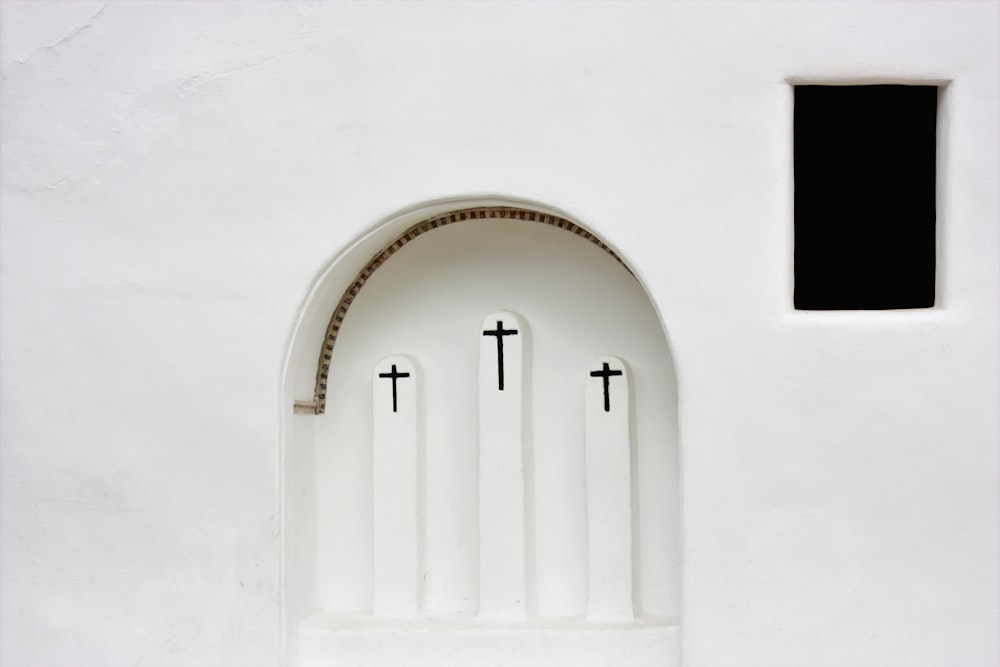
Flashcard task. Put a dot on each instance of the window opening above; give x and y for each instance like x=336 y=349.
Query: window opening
x=865 y=163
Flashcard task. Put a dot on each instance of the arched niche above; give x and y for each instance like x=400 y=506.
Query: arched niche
x=414 y=291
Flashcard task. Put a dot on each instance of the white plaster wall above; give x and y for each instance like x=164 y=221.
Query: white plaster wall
x=175 y=174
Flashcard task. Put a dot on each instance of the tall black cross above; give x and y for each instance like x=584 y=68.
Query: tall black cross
x=606 y=373
x=393 y=376
x=500 y=332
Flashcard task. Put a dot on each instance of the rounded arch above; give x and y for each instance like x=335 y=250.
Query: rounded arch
x=318 y=404
x=327 y=492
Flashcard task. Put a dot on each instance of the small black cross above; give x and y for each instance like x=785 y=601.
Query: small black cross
x=500 y=332
x=393 y=375
x=606 y=374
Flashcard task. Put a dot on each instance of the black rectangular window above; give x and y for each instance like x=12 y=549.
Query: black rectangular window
x=865 y=163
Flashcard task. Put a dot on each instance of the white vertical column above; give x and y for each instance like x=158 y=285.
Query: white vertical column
x=609 y=491
x=395 y=464
x=502 y=588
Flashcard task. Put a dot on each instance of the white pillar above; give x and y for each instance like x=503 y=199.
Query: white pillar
x=609 y=491
x=502 y=576
x=395 y=463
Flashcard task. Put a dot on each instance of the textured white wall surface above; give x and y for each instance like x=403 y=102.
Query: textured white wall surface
x=177 y=176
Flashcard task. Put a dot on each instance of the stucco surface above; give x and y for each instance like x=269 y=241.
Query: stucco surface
x=175 y=176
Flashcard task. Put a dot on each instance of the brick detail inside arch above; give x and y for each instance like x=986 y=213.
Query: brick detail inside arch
x=318 y=404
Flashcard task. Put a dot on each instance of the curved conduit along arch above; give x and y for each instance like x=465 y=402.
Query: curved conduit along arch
x=318 y=404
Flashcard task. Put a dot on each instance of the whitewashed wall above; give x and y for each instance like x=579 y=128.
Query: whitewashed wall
x=175 y=175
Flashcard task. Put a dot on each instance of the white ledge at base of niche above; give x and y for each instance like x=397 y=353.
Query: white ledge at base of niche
x=333 y=639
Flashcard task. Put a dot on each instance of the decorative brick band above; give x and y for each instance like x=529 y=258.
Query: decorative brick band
x=318 y=404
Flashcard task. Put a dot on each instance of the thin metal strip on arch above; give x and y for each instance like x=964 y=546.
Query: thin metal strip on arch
x=318 y=404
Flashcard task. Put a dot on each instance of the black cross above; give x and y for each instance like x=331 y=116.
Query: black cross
x=393 y=375
x=500 y=332
x=606 y=374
